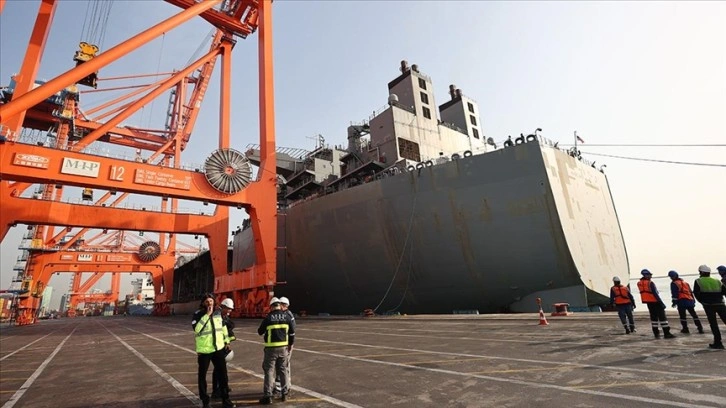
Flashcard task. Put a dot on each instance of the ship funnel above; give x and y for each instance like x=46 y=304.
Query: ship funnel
x=452 y=91
x=404 y=66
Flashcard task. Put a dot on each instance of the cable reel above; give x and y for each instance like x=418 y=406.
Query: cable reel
x=228 y=171
x=148 y=251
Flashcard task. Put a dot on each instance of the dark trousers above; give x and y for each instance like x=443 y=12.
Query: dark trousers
x=626 y=311
x=711 y=312
x=216 y=374
x=220 y=366
x=682 y=309
x=657 y=315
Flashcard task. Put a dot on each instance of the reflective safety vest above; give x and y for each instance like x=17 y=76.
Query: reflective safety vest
x=710 y=291
x=709 y=284
x=684 y=289
x=621 y=295
x=211 y=334
x=269 y=338
x=646 y=295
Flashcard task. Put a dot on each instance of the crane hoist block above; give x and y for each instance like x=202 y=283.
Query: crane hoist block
x=87 y=194
x=86 y=53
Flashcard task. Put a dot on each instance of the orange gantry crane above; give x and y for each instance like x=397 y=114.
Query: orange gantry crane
x=108 y=252
x=224 y=179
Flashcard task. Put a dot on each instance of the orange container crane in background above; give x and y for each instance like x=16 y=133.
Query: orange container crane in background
x=224 y=180
x=107 y=252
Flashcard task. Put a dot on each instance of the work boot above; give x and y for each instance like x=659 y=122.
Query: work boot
x=284 y=397
x=632 y=329
x=266 y=400
x=700 y=329
x=685 y=330
x=656 y=332
x=627 y=331
x=228 y=403
x=667 y=333
x=717 y=346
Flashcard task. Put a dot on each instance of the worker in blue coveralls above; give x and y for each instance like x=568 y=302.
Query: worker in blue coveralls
x=624 y=302
x=722 y=271
x=656 y=308
x=682 y=297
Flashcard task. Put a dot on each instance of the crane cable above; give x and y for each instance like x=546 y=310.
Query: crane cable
x=655 y=160
x=95 y=22
x=158 y=69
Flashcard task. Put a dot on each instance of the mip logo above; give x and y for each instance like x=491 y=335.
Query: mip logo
x=80 y=167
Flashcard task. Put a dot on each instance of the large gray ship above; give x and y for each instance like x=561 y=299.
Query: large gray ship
x=421 y=213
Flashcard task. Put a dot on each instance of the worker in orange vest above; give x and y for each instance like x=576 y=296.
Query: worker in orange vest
x=656 y=308
x=624 y=302
x=683 y=298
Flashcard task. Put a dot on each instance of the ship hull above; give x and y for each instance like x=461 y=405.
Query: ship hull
x=486 y=233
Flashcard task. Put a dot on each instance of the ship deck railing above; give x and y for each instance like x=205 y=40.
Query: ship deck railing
x=339 y=184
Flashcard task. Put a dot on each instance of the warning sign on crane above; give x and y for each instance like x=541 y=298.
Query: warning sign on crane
x=162 y=179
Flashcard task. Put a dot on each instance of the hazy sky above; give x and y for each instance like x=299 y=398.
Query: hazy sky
x=617 y=72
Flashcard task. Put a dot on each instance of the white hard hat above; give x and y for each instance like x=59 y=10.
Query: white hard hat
x=704 y=269
x=274 y=300
x=228 y=303
x=285 y=301
x=616 y=279
x=229 y=356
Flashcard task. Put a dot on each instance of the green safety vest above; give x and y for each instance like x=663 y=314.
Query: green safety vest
x=211 y=334
x=709 y=284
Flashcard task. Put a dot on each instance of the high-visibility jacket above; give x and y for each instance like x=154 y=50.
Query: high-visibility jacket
x=647 y=295
x=620 y=295
x=680 y=290
x=277 y=329
x=210 y=332
x=709 y=291
x=229 y=324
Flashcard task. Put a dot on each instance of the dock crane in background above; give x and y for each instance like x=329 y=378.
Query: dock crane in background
x=224 y=180
x=107 y=253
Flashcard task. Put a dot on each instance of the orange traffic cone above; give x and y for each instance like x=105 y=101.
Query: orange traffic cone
x=542 y=319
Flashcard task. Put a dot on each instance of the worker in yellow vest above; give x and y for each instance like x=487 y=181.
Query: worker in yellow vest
x=278 y=332
x=211 y=338
x=710 y=293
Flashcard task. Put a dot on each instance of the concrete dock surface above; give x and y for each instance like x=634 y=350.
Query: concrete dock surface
x=584 y=360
